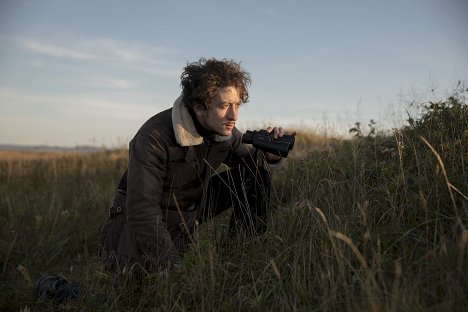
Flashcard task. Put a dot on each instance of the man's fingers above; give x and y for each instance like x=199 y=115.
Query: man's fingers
x=278 y=132
x=275 y=132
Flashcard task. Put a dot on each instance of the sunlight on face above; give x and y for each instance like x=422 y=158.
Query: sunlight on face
x=221 y=115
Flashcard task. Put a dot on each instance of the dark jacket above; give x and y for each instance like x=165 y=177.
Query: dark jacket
x=169 y=165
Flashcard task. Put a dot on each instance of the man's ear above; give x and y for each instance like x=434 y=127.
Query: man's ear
x=198 y=108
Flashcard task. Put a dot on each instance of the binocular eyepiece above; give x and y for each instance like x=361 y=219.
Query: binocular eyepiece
x=265 y=141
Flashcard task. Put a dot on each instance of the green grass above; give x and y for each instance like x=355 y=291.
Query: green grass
x=375 y=223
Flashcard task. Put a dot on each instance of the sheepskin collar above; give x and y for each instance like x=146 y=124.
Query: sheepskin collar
x=184 y=129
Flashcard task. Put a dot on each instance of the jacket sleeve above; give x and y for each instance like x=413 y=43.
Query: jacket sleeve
x=244 y=154
x=152 y=243
x=239 y=153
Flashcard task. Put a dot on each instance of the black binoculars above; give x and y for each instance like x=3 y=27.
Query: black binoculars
x=264 y=140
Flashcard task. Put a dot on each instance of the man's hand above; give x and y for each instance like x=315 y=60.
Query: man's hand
x=278 y=132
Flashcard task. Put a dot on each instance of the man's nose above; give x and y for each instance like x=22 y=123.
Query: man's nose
x=232 y=112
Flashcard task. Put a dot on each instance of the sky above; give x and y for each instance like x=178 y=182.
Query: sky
x=81 y=72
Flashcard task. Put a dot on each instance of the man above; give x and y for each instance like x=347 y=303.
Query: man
x=171 y=183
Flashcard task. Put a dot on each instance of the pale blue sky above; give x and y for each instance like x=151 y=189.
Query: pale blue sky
x=91 y=72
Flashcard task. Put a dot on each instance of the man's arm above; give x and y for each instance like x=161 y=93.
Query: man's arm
x=244 y=154
x=146 y=170
x=240 y=153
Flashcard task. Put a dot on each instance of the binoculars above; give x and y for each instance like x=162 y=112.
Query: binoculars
x=264 y=140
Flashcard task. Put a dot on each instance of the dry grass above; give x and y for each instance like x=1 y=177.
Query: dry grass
x=18 y=155
x=10 y=155
x=354 y=227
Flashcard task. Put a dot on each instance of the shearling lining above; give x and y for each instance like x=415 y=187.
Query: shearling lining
x=184 y=129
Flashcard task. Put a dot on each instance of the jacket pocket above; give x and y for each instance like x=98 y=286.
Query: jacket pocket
x=110 y=236
x=114 y=248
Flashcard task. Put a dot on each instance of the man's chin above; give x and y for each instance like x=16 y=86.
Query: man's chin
x=225 y=132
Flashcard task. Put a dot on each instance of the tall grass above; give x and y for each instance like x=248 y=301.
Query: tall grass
x=50 y=211
x=375 y=223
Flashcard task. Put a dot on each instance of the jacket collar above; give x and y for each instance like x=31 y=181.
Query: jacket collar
x=184 y=129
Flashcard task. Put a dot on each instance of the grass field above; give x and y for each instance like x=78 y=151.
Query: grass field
x=375 y=223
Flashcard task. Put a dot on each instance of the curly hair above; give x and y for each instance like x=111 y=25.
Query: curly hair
x=201 y=80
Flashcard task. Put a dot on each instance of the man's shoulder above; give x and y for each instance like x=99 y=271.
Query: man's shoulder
x=158 y=126
x=162 y=119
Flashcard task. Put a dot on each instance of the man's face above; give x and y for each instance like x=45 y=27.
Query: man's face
x=221 y=115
